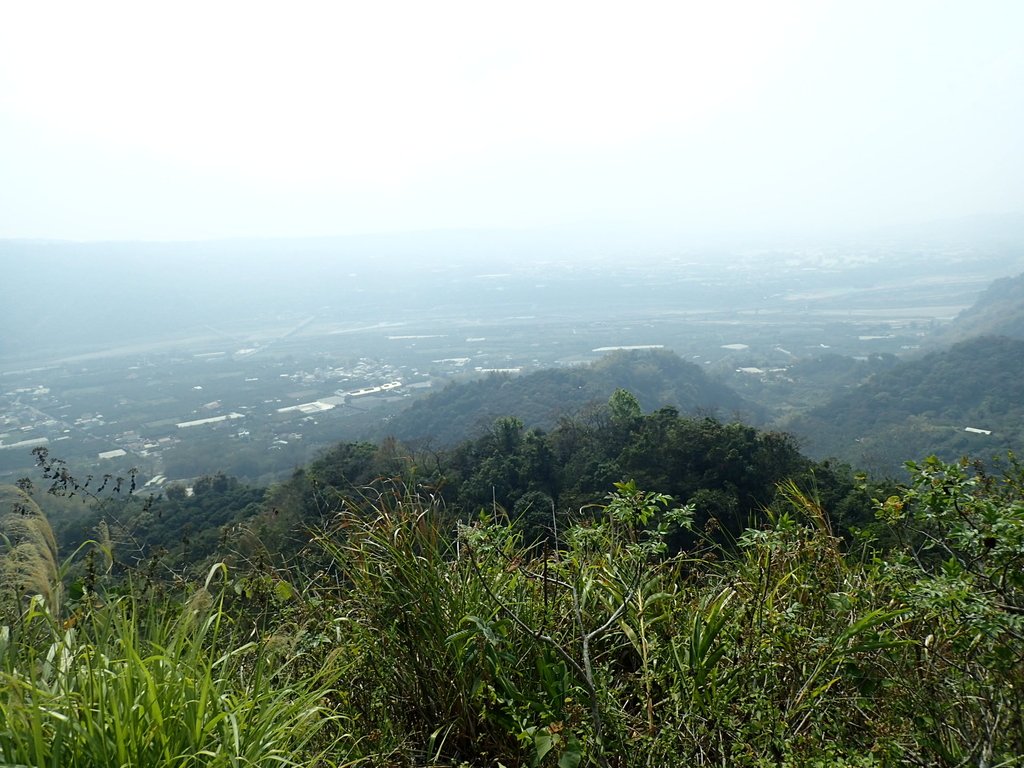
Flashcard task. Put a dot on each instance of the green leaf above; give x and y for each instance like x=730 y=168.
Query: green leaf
x=542 y=743
x=572 y=755
x=284 y=591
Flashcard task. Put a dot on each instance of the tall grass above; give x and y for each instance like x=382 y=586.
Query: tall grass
x=434 y=667
x=28 y=552
x=413 y=640
x=152 y=684
x=785 y=650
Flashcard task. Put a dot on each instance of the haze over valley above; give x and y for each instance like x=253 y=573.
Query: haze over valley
x=477 y=385
x=250 y=357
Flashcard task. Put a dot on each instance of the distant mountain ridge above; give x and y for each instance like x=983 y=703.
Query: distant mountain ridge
x=656 y=377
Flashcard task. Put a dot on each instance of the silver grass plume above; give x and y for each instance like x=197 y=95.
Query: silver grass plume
x=28 y=549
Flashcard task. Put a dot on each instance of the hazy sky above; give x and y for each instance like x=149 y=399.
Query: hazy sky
x=189 y=120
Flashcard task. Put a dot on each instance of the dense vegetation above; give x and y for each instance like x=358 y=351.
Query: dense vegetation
x=729 y=471
x=924 y=406
x=400 y=636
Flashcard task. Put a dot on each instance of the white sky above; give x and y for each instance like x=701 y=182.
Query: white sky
x=188 y=120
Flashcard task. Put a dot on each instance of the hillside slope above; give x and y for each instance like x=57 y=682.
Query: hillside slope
x=657 y=378
x=926 y=406
x=999 y=311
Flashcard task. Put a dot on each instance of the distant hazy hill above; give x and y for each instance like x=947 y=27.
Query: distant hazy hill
x=656 y=378
x=926 y=406
x=999 y=311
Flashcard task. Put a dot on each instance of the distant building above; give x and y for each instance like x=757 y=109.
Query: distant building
x=211 y=420
x=23 y=444
x=628 y=347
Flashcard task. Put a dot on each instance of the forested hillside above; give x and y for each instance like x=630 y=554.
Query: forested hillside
x=999 y=311
x=539 y=479
x=924 y=406
x=806 y=382
x=655 y=377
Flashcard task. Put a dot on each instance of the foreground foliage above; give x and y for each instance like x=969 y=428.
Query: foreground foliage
x=403 y=636
x=168 y=683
